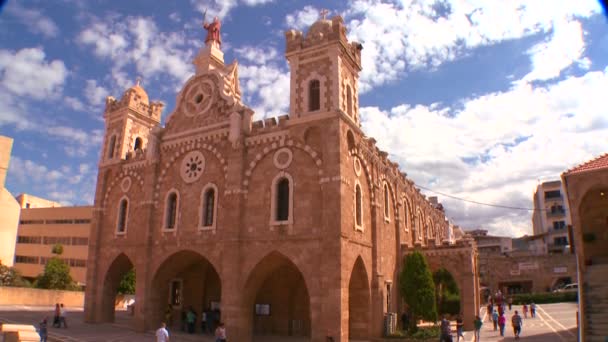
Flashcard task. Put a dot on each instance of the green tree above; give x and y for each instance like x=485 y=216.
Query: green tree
x=57 y=249
x=446 y=289
x=417 y=288
x=127 y=284
x=9 y=276
x=56 y=276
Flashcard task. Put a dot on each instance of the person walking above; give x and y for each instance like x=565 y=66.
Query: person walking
x=405 y=320
x=162 y=335
x=204 y=321
x=220 y=333
x=446 y=330
x=169 y=315
x=502 y=321
x=525 y=310
x=490 y=309
x=495 y=320
x=63 y=316
x=510 y=301
x=42 y=330
x=191 y=320
x=459 y=328
x=477 y=323
x=517 y=322
x=56 y=323
x=532 y=310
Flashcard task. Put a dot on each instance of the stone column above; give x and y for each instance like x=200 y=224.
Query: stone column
x=468 y=300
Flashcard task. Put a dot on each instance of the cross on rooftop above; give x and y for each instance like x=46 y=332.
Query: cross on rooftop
x=138 y=80
x=324 y=13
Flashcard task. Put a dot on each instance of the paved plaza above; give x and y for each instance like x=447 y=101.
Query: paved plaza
x=554 y=322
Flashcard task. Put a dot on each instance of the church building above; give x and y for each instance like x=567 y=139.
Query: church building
x=289 y=226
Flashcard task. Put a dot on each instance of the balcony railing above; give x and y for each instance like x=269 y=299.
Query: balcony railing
x=556 y=213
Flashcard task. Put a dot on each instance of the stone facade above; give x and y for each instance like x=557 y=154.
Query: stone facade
x=302 y=214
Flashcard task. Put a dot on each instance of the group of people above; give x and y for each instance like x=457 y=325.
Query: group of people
x=209 y=322
x=59 y=318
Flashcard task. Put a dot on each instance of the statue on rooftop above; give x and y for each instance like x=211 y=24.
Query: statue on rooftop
x=213 y=30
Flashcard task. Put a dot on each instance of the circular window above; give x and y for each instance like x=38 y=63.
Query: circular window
x=199 y=98
x=282 y=158
x=125 y=185
x=357 y=166
x=193 y=166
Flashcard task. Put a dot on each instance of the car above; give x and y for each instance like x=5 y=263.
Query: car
x=569 y=288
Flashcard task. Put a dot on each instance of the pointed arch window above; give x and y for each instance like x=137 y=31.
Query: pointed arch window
x=171 y=210
x=138 y=144
x=358 y=206
x=386 y=202
x=209 y=207
x=314 y=95
x=111 y=147
x=282 y=199
x=123 y=211
x=349 y=101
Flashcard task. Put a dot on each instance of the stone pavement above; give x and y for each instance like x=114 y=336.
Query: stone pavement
x=553 y=322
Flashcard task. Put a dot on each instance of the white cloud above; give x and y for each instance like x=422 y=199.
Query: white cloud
x=413 y=34
x=565 y=47
x=219 y=8
x=510 y=139
x=256 y=2
x=27 y=73
x=175 y=17
x=95 y=94
x=74 y=103
x=302 y=19
x=256 y=55
x=35 y=21
x=270 y=84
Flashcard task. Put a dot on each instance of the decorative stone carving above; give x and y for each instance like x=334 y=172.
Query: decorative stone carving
x=282 y=158
x=125 y=185
x=199 y=98
x=192 y=167
x=357 y=166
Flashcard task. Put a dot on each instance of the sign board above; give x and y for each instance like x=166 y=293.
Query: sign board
x=561 y=269
x=514 y=272
x=527 y=266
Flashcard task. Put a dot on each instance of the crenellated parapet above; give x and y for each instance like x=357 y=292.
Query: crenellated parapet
x=136 y=101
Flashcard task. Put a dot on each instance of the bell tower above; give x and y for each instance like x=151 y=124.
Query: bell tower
x=129 y=122
x=325 y=70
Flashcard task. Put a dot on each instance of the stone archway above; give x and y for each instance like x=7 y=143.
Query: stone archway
x=185 y=279
x=593 y=213
x=117 y=270
x=359 y=309
x=276 y=300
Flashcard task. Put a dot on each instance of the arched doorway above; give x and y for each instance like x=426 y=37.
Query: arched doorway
x=277 y=299
x=117 y=271
x=358 y=302
x=447 y=293
x=185 y=280
x=593 y=212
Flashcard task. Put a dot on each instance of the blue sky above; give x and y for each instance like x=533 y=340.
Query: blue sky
x=479 y=99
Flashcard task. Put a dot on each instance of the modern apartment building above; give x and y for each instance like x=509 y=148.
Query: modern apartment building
x=551 y=216
x=491 y=243
x=41 y=228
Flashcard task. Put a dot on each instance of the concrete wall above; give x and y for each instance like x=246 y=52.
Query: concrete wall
x=38 y=297
x=9 y=208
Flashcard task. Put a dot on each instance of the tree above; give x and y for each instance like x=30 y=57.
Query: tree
x=57 y=249
x=9 y=276
x=417 y=288
x=56 y=276
x=446 y=288
x=127 y=284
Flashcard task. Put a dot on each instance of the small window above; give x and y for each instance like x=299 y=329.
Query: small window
x=27 y=205
x=175 y=292
x=111 y=147
x=349 y=101
x=314 y=95
x=282 y=213
x=209 y=207
x=138 y=144
x=386 y=202
x=123 y=208
x=358 y=205
x=171 y=211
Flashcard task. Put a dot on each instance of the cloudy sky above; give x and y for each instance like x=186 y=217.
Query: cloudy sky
x=478 y=99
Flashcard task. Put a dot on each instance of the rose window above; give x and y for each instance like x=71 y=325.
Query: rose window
x=193 y=166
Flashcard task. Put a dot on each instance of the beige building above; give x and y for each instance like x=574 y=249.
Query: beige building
x=293 y=226
x=9 y=208
x=27 y=201
x=551 y=216
x=587 y=193
x=491 y=243
x=41 y=228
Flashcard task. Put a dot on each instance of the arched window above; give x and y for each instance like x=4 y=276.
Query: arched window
x=358 y=206
x=282 y=213
x=171 y=207
x=111 y=147
x=349 y=101
x=386 y=202
x=209 y=204
x=123 y=208
x=138 y=144
x=314 y=95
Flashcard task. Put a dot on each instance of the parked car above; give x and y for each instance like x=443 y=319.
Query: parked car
x=568 y=288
